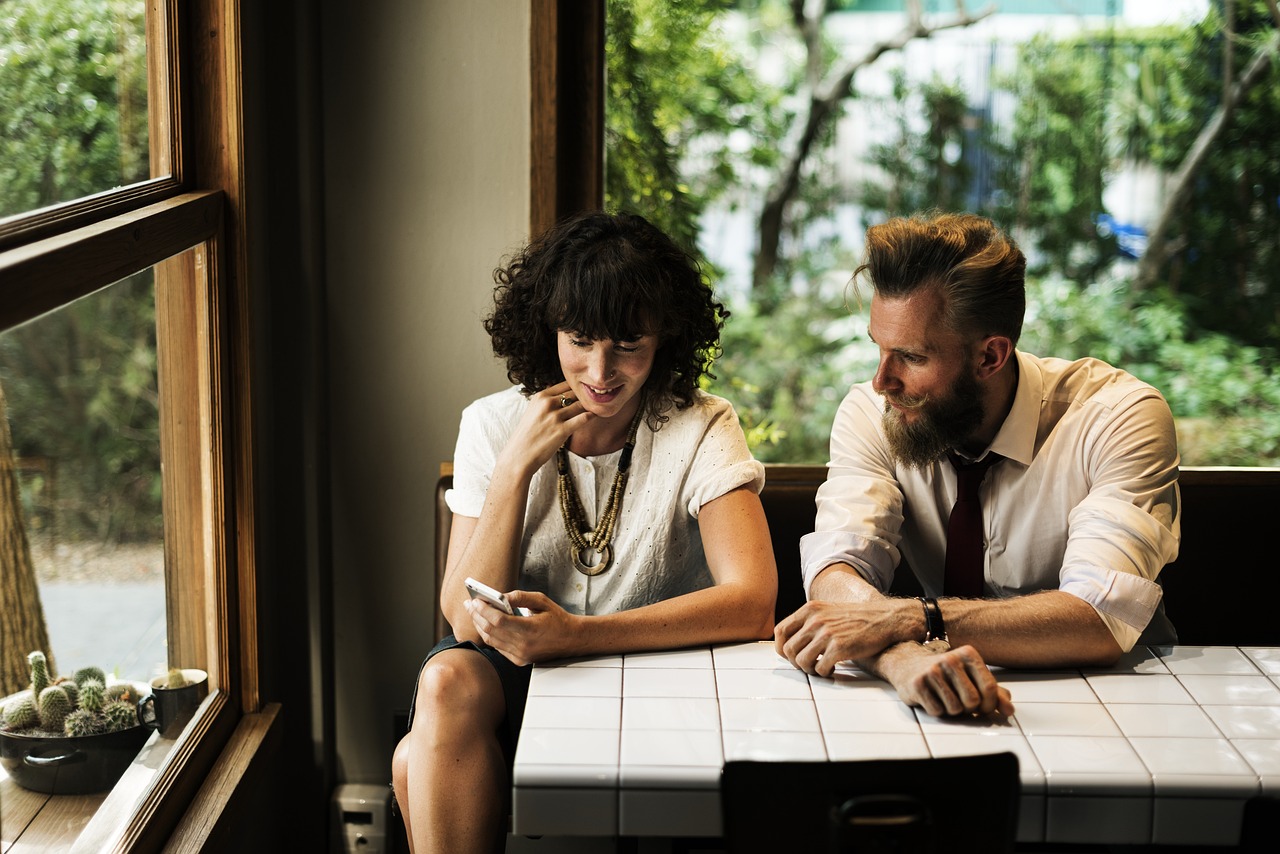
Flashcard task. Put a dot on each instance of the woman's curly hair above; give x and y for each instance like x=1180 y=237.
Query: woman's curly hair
x=607 y=277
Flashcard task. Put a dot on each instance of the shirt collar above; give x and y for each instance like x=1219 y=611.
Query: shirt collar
x=1016 y=439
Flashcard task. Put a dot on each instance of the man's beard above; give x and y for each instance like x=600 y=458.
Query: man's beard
x=941 y=424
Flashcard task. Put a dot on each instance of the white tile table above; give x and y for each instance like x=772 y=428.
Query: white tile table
x=1164 y=748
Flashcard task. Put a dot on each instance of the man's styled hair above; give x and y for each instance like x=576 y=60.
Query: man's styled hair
x=977 y=268
x=607 y=277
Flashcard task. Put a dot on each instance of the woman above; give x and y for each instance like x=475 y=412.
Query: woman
x=616 y=501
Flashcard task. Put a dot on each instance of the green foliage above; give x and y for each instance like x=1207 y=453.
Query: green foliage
x=787 y=399
x=923 y=165
x=82 y=390
x=1225 y=395
x=672 y=80
x=73 y=109
x=1089 y=106
x=1060 y=155
x=80 y=382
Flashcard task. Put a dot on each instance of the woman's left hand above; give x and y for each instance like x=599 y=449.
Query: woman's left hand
x=545 y=634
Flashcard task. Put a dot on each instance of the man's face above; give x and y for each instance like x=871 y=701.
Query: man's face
x=933 y=401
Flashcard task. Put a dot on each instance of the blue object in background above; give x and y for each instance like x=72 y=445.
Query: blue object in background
x=1130 y=239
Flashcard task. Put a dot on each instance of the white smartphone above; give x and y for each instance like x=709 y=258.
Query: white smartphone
x=480 y=590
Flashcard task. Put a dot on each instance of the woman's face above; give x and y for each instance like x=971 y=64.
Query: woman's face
x=606 y=376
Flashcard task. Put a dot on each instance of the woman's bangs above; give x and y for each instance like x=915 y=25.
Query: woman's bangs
x=601 y=309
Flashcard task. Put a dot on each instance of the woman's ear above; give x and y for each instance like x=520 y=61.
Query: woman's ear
x=993 y=355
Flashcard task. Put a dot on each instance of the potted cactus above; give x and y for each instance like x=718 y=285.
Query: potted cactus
x=69 y=735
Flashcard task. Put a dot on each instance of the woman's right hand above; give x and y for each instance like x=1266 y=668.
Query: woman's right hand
x=547 y=424
x=545 y=632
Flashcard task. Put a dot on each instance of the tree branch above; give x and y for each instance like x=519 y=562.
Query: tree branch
x=1158 y=250
x=823 y=104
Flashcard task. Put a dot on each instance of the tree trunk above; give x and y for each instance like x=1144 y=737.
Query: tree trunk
x=22 y=627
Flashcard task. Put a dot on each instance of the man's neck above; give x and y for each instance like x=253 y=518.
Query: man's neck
x=999 y=392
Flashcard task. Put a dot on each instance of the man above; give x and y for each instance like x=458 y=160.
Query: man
x=1079 y=507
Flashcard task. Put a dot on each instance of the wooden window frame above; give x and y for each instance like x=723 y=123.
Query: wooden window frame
x=566 y=129
x=189 y=225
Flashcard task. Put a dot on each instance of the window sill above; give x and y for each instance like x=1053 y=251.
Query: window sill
x=39 y=822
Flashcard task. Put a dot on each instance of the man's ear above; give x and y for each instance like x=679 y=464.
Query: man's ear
x=994 y=354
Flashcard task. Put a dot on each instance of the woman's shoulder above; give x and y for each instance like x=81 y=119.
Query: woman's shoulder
x=489 y=420
x=507 y=402
x=705 y=410
x=706 y=406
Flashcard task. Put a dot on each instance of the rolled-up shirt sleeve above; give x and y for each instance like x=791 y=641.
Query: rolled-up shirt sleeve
x=1128 y=526
x=722 y=461
x=859 y=507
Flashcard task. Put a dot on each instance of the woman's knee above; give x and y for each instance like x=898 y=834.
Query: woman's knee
x=400 y=765
x=457 y=680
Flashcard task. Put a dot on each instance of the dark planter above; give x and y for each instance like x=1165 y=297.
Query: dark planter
x=70 y=765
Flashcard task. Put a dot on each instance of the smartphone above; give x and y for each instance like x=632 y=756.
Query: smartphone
x=485 y=593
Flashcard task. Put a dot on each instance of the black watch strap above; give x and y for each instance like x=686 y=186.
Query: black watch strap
x=934 y=627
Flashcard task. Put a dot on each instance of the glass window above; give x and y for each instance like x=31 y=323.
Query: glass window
x=119 y=353
x=74 y=117
x=115 y=544
x=84 y=419
x=770 y=144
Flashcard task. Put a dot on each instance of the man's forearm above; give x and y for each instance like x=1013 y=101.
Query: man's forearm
x=1047 y=629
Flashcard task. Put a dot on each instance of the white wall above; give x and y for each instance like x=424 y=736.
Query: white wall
x=426 y=139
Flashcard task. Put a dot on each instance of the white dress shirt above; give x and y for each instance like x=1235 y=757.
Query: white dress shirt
x=1086 y=500
x=695 y=457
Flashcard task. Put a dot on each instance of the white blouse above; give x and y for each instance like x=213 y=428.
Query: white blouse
x=695 y=457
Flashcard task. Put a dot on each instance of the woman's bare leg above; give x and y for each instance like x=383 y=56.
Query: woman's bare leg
x=400 y=783
x=451 y=764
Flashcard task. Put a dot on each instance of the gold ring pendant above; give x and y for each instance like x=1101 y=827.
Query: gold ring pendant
x=604 y=559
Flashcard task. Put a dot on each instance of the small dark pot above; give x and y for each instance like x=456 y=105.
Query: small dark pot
x=70 y=765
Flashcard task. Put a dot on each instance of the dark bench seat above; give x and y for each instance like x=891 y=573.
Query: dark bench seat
x=1223 y=589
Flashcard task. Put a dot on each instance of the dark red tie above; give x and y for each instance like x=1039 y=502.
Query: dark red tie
x=963 y=574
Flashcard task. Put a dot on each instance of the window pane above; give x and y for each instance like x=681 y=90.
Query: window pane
x=1068 y=124
x=79 y=395
x=73 y=100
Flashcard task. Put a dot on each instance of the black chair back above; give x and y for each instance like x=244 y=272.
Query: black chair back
x=951 y=805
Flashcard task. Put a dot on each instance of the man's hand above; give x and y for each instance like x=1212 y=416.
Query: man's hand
x=820 y=635
x=955 y=682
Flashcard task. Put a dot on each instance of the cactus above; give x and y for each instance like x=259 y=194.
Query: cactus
x=83 y=705
x=84 y=722
x=121 y=691
x=90 y=673
x=72 y=690
x=20 y=713
x=91 y=698
x=54 y=706
x=119 y=715
x=175 y=679
x=39 y=672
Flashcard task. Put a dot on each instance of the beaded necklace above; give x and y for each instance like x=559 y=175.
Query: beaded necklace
x=597 y=544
